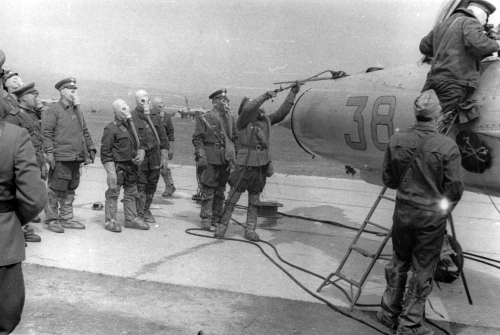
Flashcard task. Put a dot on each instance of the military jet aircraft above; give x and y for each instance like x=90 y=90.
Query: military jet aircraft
x=187 y=112
x=350 y=119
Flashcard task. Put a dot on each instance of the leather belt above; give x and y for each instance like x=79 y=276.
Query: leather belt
x=7 y=206
x=215 y=145
x=258 y=147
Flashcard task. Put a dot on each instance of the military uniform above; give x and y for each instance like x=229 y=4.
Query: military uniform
x=209 y=142
x=67 y=138
x=30 y=120
x=8 y=103
x=119 y=147
x=419 y=220
x=165 y=172
x=22 y=196
x=458 y=45
x=149 y=171
x=253 y=163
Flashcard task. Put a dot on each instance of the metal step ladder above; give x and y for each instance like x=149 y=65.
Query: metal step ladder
x=354 y=247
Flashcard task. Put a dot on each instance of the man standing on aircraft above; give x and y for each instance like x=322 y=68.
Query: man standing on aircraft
x=67 y=144
x=27 y=115
x=215 y=143
x=457 y=46
x=154 y=141
x=121 y=154
x=429 y=186
x=166 y=121
x=253 y=163
x=22 y=196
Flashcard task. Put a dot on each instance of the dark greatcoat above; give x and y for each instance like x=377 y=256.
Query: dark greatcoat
x=20 y=185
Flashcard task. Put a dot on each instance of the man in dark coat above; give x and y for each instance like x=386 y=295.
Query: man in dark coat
x=121 y=155
x=27 y=115
x=22 y=196
x=67 y=145
x=426 y=195
x=154 y=141
x=253 y=163
x=457 y=46
x=166 y=121
x=213 y=132
x=11 y=82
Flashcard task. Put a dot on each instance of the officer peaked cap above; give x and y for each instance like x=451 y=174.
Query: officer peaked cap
x=25 y=89
x=66 y=83
x=218 y=94
x=484 y=5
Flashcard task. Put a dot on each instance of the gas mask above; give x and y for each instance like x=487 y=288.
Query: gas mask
x=32 y=100
x=142 y=100
x=158 y=105
x=13 y=83
x=121 y=110
x=69 y=94
x=38 y=101
x=223 y=104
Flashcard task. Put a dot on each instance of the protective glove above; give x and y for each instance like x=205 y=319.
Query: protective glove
x=49 y=157
x=112 y=180
x=92 y=156
x=140 y=157
x=44 y=171
x=164 y=160
x=200 y=158
x=271 y=94
x=295 y=88
x=202 y=163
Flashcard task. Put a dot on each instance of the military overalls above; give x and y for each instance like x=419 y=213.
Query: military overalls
x=118 y=146
x=149 y=171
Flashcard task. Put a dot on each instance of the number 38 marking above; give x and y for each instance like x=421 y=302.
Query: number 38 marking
x=377 y=120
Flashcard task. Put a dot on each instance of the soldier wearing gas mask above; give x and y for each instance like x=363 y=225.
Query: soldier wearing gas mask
x=154 y=141
x=253 y=163
x=166 y=121
x=67 y=145
x=215 y=141
x=11 y=82
x=121 y=154
x=27 y=115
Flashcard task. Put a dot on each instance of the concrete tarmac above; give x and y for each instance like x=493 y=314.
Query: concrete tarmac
x=201 y=271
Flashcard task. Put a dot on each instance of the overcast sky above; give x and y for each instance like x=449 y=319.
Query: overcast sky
x=198 y=46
